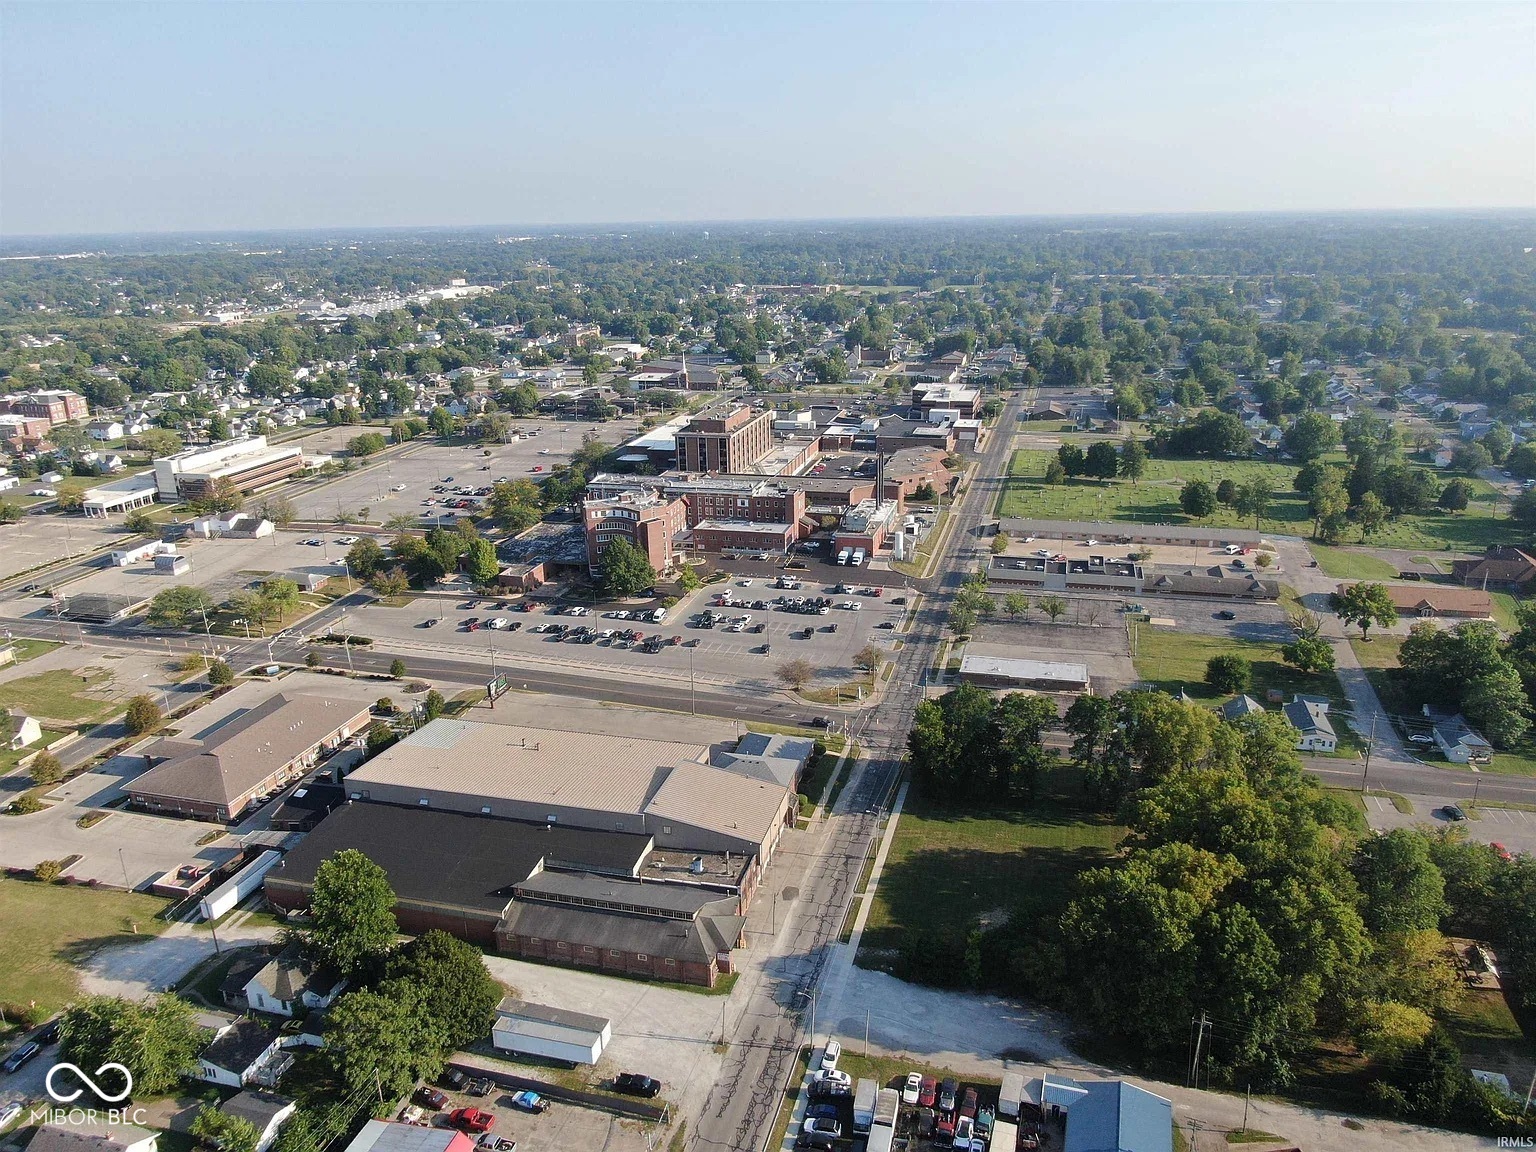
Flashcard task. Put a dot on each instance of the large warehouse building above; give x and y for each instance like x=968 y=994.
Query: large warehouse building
x=615 y=853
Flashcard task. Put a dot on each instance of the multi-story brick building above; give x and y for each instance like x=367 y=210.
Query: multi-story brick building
x=725 y=438
x=55 y=405
x=650 y=521
x=726 y=503
x=23 y=432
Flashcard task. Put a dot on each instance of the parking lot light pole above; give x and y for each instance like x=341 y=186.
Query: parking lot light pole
x=693 y=694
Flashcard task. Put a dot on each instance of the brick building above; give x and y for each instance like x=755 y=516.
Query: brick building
x=651 y=522
x=55 y=405
x=725 y=438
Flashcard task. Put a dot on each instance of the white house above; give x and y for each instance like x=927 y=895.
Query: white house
x=25 y=730
x=242 y=1053
x=106 y=430
x=93 y=1136
x=1309 y=717
x=264 y=1111
x=289 y=985
x=1457 y=739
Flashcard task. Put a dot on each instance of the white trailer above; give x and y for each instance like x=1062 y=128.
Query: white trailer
x=887 y=1104
x=1011 y=1095
x=864 y=1094
x=229 y=894
x=858 y=558
x=554 y=1033
x=881 y=1139
x=1005 y=1137
x=844 y=556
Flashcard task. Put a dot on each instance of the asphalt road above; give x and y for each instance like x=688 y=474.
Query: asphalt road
x=741 y=1108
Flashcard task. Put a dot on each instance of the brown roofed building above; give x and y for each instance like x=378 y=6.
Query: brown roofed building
x=727 y=437
x=216 y=777
x=1502 y=566
x=1428 y=602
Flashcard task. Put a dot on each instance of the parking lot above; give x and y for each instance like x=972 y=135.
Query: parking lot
x=219 y=567
x=34 y=541
x=562 y=1127
x=1513 y=828
x=713 y=655
x=377 y=494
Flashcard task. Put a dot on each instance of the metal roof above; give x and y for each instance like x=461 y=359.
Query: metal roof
x=511 y=1008
x=719 y=801
x=1114 y=1116
x=1024 y=669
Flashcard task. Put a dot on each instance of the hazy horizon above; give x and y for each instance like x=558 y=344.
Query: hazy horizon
x=227 y=119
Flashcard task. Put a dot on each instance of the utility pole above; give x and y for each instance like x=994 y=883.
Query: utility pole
x=1193 y=1080
x=1529 y=1093
x=1370 y=744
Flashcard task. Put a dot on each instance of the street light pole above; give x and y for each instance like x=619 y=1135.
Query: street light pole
x=693 y=694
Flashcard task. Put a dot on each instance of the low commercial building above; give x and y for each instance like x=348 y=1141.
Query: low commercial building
x=1428 y=602
x=1041 y=675
x=249 y=463
x=121 y=495
x=1091 y=574
x=742 y=536
x=1503 y=566
x=217 y=776
x=392 y=1136
x=867 y=524
x=553 y=1033
x=929 y=395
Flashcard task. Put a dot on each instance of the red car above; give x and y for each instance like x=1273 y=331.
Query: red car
x=472 y=1120
x=928 y=1093
x=429 y=1097
x=968 y=1105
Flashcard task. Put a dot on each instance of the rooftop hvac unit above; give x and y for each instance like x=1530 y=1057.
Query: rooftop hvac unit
x=696 y=866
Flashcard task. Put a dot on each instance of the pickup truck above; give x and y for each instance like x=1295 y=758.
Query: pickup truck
x=526 y=1101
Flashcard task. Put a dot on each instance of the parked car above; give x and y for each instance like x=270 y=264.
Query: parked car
x=834 y=1076
x=496 y=1143
x=526 y=1101
x=830 y=1055
x=634 y=1084
x=1421 y=738
x=1451 y=812
x=949 y=1092
x=10 y=1112
x=412 y=1114
x=912 y=1088
x=20 y=1057
x=49 y=1032
x=453 y=1080
x=825 y=1126
x=816 y=1111
x=431 y=1098
x=480 y=1086
x=346 y=540
x=1226 y=614
x=928 y=1094
x=830 y=1090
x=968 y=1104
x=472 y=1120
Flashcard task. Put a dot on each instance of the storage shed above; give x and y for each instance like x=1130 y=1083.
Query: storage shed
x=554 y=1033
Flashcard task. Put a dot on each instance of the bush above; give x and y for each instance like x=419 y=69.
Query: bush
x=1228 y=674
x=47 y=871
x=384 y=705
x=143 y=716
x=311 y=659
x=397 y=669
x=46 y=768
x=220 y=674
x=25 y=805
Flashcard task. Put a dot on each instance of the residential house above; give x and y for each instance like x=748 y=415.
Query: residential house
x=291 y=985
x=1503 y=566
x=105 y=430
x=242 y=1053
x=25 y=730
x=263 y=1111
x=1457 y=739
x=91 y=1135
x=392 y=1136
x=1309 y=716
x=1240 y=706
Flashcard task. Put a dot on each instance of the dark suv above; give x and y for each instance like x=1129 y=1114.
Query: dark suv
x=948 y=1090
x=634 y=1084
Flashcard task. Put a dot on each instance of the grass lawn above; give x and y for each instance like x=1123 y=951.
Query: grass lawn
x=27 y=649
x=1485 y=1029
x=49 y=928
x=1155 y=500
x=11 y=757
x=1172 y=660
x=1342 y=564
x=1505 y=606
x=891 y=1071
x=950 y=864
x=60 y=695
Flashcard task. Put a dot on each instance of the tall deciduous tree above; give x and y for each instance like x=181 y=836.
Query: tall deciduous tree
x=1363 y=605
x=624 y=570
x=1197 y=499
x=352 y=912
x=459 y=995
x=156 y=1040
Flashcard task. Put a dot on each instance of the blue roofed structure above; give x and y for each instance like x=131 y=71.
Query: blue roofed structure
x=1113 y=1116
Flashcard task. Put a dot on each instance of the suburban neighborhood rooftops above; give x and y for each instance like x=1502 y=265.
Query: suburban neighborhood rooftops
x=453 y=858
x=257 y=1107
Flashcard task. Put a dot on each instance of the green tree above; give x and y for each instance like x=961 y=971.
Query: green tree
x=480 y=562
x=1101 y=460
x=433 y=704
x=515 y=505
x=1000 y=543
x=1309 y=653
x=220 y=674
x=281 y=594
x=1522 y=510
x=1253 y=499
x=46 y=768
x=1053 y=606
x=440 y=420
x=10 y=511
x=224 y=1132
x=1521 y=460
x=157 y=1039
x=223 y=496
x=139 y=520
x=688 y=578
x=1455 y=496
x=1401 y=888
x=1363 y=605
x=1197 y=500
x=624 y=570
x=1016 y=604
x=459 y=995
x=391 y=583
x=385 y=1034
x=1072 y=460
x=179 y=606
x=1226 y=492
x=397 y=669
x=1371 y=514
x=366 y=444
x=352 y=914
x=364 y=558
x=1055 y=474
x=1496 y=704
x=1228 y=674
x=143 y=716
x=1470 y=459
x=1133 y=459
x=1310 y=436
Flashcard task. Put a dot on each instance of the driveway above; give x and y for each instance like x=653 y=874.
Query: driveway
x=136 y=970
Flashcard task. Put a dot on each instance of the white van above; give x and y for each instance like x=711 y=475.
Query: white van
x=659 y=615
x=845 y=555
x=858 y=558
x=1234 y=549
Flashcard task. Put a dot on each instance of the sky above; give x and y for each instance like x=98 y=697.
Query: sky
x=212 y=116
